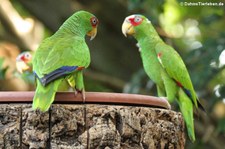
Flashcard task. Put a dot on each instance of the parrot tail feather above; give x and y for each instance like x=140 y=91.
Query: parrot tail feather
x=44 y=96
x=201 y=106
x=188 y=93
x=186 y=108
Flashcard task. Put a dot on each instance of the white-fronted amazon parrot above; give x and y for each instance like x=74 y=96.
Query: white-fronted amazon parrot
x=62 y=57
x=164 y=66
x=24 y=62
x=24 y=67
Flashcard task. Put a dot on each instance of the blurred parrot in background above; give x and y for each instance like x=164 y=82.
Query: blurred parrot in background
x=24 y=62
x=165 y=67
x=24 y=67
x=62 y=57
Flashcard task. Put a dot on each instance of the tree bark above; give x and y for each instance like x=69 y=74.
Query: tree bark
x=90 y=126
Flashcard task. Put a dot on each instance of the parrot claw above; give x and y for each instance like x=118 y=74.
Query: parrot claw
x=168 y=105
x=83 y=95
x=82 y=92
x=75 y=92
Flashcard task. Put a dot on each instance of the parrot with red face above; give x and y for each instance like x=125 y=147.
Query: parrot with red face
x=24 y=62
x=63 y=57
x=24 y=67
x=164 y=66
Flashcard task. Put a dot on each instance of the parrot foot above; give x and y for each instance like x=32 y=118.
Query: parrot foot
x=168 y=105
x=75 y=92
x=83 y=95
x=82 y=92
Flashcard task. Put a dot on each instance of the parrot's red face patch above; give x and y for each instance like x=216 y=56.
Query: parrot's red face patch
x=26 y=57
x=135 y=20
x=94 y=21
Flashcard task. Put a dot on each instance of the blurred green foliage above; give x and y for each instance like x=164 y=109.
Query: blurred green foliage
x=2 y=69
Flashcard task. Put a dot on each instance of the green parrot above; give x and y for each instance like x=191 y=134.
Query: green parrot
x=24 y=67
x=165 y=67
x=24 y=62
x=63 y=56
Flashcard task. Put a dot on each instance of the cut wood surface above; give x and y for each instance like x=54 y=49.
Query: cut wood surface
x=92 y=126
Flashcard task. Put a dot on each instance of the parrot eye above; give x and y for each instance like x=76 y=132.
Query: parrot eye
x=94 y=21
x=27 y=55
x=137 y=19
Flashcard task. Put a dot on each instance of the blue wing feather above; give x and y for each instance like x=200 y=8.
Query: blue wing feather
x=58 y=73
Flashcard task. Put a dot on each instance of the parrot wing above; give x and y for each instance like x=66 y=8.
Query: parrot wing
x=64 y=57
x=58 y=73
x=176 y=69
x=40 y=55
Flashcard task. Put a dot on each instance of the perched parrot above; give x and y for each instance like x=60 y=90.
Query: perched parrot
x=164 y=66
x=24 y=62
x=24 y=67
x=62 y=57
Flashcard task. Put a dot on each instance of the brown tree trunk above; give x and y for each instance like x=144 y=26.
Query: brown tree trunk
x=90 y=126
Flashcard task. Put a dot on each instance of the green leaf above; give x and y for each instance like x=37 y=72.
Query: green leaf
x=2 y=70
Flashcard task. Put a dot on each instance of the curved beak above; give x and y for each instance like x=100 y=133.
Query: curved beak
x=127 y=28
x=21 y=66
x=92 y=33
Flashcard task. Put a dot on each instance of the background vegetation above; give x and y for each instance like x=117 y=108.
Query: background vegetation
x=196 y=32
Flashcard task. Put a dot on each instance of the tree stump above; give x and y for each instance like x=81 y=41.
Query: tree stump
x=81 y=126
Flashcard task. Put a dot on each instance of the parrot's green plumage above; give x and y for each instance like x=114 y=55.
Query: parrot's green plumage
x=24 y=67
x=165 y=67
x=24 y=62
x=62 y=57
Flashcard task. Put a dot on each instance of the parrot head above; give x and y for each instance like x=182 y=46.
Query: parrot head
x=134 y=25
x=23 y=61
x=83 y=23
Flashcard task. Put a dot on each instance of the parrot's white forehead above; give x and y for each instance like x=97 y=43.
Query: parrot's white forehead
x=133 y=16
x=129 y=17
x=18 y=58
